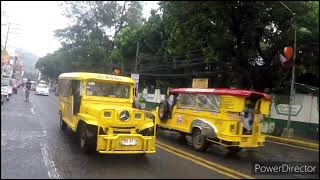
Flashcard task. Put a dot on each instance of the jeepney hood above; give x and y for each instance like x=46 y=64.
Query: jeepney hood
x=140 y=119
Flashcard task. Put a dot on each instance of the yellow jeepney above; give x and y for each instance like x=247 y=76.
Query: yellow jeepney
x=229 y=117
x=100 y=109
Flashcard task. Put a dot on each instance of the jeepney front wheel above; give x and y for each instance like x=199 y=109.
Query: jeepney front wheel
x=199 y=141
x=87 y=144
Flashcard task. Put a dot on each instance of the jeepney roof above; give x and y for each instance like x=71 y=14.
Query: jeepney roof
x=97 y=76
x=219 y=91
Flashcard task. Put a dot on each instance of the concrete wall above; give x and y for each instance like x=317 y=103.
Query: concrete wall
x=309 y=112
x=305 y=123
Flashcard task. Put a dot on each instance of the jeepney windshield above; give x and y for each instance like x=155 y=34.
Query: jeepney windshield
x=105 y=89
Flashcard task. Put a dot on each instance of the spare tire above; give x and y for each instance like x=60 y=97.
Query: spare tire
x=163 y=111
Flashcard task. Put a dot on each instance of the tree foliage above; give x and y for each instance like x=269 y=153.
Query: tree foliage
x=234 y=43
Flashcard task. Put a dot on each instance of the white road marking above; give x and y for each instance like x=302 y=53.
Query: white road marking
x=32 y=111
x=47 y=157
x=53 y=172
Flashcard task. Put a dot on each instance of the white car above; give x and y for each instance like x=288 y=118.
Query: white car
x=4 y=94
x=8 y=83
x=42 y=89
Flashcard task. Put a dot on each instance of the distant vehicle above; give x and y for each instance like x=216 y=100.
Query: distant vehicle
x=42 y=89
x=23 y=82
x=8 y=83
x=33 y=85
x=4 y=93
x=42 y=82
x=14 y=86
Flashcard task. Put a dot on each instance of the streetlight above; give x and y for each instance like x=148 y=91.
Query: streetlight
x=289 y=131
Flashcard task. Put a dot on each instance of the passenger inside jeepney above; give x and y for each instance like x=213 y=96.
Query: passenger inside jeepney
x=248 y=116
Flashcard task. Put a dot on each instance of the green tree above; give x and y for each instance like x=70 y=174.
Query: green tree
x=241 y=39
x=87 y=38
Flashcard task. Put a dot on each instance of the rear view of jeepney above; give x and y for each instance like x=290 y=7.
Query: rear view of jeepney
x=103 y=115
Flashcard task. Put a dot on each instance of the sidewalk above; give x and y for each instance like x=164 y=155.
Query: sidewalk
x=297 y=141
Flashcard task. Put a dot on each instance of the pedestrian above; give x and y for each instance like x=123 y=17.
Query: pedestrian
x=27 y=89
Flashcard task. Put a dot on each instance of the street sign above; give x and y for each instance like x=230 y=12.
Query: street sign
x=284 y=109
x=135 y=77
x=200 y=83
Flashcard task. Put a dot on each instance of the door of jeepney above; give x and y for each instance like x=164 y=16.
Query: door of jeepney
x=76 y=96
x=65 y=99
x=182 y=112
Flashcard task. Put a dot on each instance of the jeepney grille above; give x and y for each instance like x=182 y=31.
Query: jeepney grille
x=122 y=130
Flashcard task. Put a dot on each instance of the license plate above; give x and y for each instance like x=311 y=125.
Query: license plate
x=128 y=142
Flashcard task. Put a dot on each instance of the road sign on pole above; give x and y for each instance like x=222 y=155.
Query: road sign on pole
x=135 y=77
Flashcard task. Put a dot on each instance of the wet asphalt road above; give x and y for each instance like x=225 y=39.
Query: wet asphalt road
x=32 y=146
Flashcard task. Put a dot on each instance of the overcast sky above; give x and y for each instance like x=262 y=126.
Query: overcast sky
x=35 y=22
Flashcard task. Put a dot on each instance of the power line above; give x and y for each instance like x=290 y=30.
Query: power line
x=173 y=64
x=179 y=75
x=174 y=67
x=175 y=56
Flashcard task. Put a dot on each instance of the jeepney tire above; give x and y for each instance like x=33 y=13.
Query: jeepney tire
x=87 y=145
x=199 y=141
x=63 y=125
x=234 y=149
x=163 y=111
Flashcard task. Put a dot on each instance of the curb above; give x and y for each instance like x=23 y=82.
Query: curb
x=310 y=145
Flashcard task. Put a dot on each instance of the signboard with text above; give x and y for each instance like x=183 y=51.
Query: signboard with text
x=284 y=109
x=135 y=77
x=200 y=83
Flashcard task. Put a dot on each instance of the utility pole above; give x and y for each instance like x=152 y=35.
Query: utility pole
x=288 y=132
x=5 y=45
x=137 y=55
x=292 y=81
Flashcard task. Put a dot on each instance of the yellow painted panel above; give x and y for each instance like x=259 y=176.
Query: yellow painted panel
x=231 y=103
x=265 y=107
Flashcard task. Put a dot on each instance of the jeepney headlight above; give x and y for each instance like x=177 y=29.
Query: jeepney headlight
x=107 y=114
x=137 y=115
x=232 y=128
